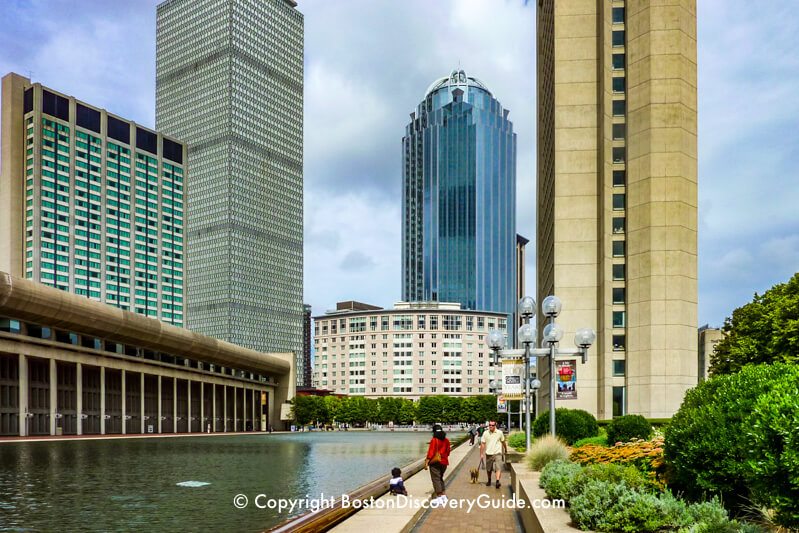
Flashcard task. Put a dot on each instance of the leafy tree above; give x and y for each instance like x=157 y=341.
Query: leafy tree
x=388 y=410
x=451 y=409
x=303 y=410
x=487 y=409
x=470 y=408
x=765 y=330
x=407 y=412
x=429 y=409
x=332 y=404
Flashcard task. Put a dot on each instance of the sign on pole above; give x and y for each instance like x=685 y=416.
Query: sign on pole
x=502 y=405
x=567 y=379
x=512 y=379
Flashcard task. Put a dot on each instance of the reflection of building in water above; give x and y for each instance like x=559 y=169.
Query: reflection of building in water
x=73 y=366
x=416 y=349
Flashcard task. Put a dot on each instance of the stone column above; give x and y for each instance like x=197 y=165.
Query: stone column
x=202 y=406
x=124 y=405
x=188 y=404
x=224 y=408
x=24 y=387
x=235 y=410
x=244 y=408
x=213 y=406
x=53 y=395
x=174 y=405
x=102 y=400
x=159 y=402
x=79 y=404
x=141 y=399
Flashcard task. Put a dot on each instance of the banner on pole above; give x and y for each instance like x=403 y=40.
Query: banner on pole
x=512 y=379
x=567 y=379
x=502 y=405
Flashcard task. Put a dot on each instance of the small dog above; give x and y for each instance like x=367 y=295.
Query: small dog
x=475 y=473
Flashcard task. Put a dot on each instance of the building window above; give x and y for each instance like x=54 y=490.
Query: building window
x=618 y=61
x=618 y=272
x=619 y=154
x=619 y=178
x=619 y=131
x=619 y=108
x=618 y=15
x=619 y=343
x=619 y=401
x=619 y=319
x=618 y=38
x=618 y=248
x=618 y=202
x=618 y=295
x=619 y=367
x=618 y=225
x=619 y=84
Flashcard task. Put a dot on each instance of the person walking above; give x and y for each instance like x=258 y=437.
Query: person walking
x=492 y=445
x=472 y=434
x=437 y=460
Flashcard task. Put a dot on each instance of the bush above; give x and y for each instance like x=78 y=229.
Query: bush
x=773 y=451
x=546 y=449
x=570 y=424
x=646 y=456
x=629 y=476
x=629 y=427
x=599 y=440
x=707 y=440
x=518 y=440
x=557 y=479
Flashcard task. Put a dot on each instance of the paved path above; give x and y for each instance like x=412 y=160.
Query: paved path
x=478 y=520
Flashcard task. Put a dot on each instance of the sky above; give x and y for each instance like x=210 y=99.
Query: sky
x=367 y=66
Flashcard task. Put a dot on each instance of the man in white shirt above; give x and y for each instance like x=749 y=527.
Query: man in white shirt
x=492 y=445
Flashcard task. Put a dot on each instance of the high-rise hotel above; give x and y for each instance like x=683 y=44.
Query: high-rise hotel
x=91 y=203
x=459 y=199
x=229 y=82
x=617 y=195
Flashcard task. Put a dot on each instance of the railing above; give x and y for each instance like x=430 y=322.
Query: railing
x=324 y=519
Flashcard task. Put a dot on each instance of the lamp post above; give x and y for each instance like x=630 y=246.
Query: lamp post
x=551 y=336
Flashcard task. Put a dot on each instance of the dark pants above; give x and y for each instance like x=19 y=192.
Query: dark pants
x=471 y=439
x=437 y=477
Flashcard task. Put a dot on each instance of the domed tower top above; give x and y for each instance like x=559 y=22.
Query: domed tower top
x=456 y=80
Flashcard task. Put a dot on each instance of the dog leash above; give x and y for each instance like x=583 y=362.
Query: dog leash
x=482 y=465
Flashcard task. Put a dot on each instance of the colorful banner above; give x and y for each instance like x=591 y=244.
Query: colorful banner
x=502 y=405
x=512 y=379
x=566 y=376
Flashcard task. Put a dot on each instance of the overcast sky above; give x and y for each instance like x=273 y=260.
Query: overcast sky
x=367 y=65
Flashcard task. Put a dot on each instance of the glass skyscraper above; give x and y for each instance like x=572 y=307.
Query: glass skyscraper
x=229 y=81
x=459 y=198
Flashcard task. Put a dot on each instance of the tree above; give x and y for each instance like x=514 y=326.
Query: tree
x=765 y=330
x=407 y=412
x=451 y=409
x=470 y=408
x=429 y=409
x=303 y=410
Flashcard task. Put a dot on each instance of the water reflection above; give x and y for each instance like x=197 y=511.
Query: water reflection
x=123 y=485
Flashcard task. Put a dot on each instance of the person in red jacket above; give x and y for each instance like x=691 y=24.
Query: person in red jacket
x=439 y=444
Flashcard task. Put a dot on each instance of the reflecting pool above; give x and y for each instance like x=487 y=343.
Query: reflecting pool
x=186 y=483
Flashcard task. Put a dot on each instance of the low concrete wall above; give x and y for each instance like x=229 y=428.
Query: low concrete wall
x=525 y=483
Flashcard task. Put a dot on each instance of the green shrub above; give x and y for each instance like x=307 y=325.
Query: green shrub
x=589 y=509
x=599 y=440
x=557 y=479
x=629 y=476
x=518 y=440
x=773 y=458
x=629 y=427
x=706 y=442
x=545 y=450
x=570 y=424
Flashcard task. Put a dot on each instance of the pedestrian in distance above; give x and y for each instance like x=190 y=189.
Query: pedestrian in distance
x=492 y=446
x=472 y=434
x=437 y=460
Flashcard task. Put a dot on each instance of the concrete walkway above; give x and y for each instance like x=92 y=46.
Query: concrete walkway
x=495 y=520
x=389 y=517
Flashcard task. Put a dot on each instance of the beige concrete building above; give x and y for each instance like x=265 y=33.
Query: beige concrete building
x=617 y=195
x=73 y=366
x=91 y=203
x=414 y=350
x=708 y=339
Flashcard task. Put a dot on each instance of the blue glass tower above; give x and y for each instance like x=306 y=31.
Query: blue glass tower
x=459 y=198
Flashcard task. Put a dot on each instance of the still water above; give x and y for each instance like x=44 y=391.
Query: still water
x=132 y=484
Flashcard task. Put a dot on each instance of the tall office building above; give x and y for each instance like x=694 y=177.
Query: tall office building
x=91 y=203
x=459 y=197
x=617 y=197
x=304 y=373
x=229 y=83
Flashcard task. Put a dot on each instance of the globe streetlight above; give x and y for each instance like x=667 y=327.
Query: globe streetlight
x=527 y=336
